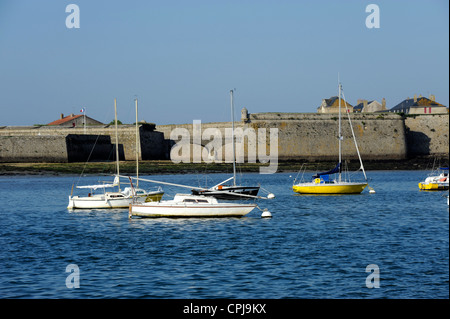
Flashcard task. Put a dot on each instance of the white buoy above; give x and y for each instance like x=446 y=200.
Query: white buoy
x=371 y=191
x=270 y=196
x=266 y=214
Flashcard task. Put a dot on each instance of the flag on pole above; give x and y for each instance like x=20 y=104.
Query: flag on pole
x=83 y=110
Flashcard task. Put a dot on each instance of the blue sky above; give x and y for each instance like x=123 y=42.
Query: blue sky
x=181 y=58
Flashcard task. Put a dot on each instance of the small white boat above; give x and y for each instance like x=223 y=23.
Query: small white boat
x=436 y=180
x=118 y=199
x=187 y=205
x=115 y=199
x=100 y=201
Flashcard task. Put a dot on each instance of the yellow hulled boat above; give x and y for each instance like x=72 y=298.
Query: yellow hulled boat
x=436 y=181
x=329 y=188
x=429 y=186
x=321 y=182
x=155 y=196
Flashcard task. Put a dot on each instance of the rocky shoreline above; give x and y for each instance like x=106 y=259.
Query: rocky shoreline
x=168 y=167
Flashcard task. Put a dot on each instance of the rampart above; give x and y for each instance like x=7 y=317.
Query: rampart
x=314 y=136
x=427 y=135
x=33 y=149
x=301 y=136
x=67 y=144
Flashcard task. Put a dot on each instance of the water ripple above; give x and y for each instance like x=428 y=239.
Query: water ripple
x=313 y=247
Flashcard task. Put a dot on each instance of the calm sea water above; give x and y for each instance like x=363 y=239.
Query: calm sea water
x=313 y=247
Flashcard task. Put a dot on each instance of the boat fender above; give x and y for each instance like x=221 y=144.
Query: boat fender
x=317 y=181
x=266 y=214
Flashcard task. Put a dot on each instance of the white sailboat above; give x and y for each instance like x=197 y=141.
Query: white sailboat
x=188 y=205
x=321 y=182
x=114 y=199
x=229 y=192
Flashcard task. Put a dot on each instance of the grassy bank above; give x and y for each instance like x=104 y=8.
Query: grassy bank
x=168 y=167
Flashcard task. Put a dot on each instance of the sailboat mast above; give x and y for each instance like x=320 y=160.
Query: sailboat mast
x=137 y=145
x=354 y=138
x=340 y=135
x=232 y=138
x=117 y=141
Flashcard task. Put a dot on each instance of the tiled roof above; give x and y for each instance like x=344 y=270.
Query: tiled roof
x=359 y=106
x=334 y=102
x=421 y=101
x=64 y=120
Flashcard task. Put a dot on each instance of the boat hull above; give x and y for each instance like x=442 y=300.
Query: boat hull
x=161 y=210
x=101 y=202
x=95 y=202
x=433 y=186
x=154 y=197
x=229 y=193
x=342 y=188
x=435 y=182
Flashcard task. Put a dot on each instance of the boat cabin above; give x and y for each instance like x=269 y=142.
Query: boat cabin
x=191 y=200
x=194 y=199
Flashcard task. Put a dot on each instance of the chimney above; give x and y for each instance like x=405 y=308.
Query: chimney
x=359 y=101
x=365 y=105
x=383 y=104
x=72 y=115
x=432 y=97
x=415 y=98
x=62 y=116
x=244 y=115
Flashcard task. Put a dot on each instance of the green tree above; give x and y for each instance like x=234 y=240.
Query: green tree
x=113 y=122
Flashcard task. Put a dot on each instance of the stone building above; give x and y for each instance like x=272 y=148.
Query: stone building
x=420 y=105
x=73 y=120
x=365 y=106
x=331 y=105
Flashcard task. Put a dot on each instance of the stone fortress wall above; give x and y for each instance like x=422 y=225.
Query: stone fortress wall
x=301 y=136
